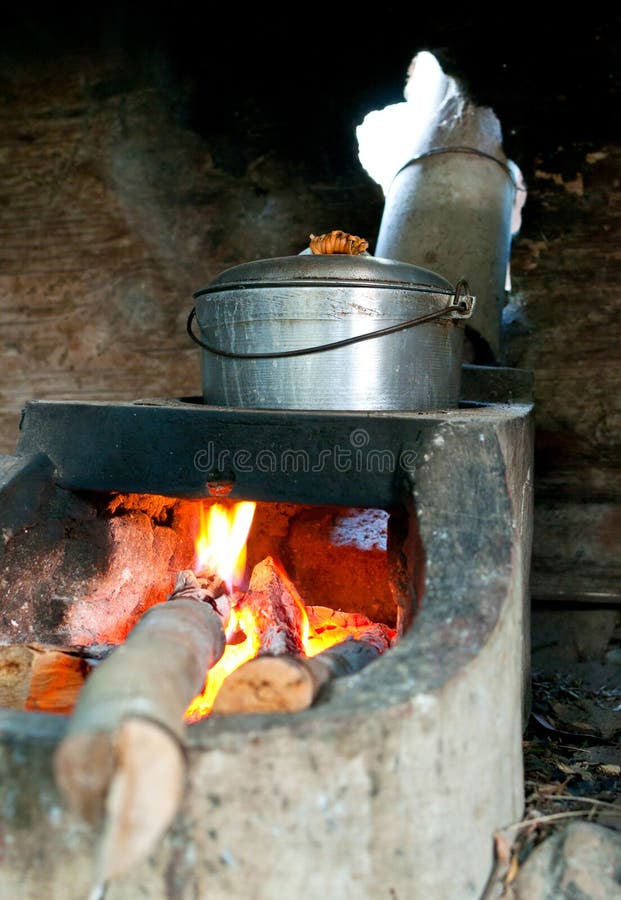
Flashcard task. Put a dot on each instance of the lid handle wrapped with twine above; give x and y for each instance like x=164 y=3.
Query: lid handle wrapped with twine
x=337 y=242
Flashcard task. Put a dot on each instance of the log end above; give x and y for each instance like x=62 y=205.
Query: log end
x=129 y=783
x=143 y=797
x=267 y=684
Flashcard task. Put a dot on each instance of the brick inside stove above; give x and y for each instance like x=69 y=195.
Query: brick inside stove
x=87 y=566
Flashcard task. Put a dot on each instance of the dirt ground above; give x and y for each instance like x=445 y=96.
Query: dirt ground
x=568 y=844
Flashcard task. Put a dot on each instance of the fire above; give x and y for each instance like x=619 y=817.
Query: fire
x=221 y=542
x=242 y=621
x=221 y=548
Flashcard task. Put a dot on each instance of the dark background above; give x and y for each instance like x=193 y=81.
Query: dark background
x=294 y=81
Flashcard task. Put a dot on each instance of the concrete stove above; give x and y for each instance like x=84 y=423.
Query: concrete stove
x=394 y=783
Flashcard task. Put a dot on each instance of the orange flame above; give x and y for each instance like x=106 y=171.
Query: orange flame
x=221 y=542
x=242 y=621
x=221 y=548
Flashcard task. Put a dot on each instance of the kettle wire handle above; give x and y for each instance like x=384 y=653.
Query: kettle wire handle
x=461 y=305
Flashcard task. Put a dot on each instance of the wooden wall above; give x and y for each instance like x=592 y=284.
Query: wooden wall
x=116 y=205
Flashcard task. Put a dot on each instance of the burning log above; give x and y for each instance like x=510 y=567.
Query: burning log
x=38 y=677
x=289 y=683
x=278 y=609
x=281 y=678
x=268 y=617
x=122 y=759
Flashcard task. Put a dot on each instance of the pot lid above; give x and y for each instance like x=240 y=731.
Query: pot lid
x=310 y=268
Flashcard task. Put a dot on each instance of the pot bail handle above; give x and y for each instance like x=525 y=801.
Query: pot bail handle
x=337 y=243
x=460 y=306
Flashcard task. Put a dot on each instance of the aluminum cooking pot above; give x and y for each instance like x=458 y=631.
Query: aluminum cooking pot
x=331 y=331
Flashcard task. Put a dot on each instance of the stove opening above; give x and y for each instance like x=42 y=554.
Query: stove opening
x=301 y=579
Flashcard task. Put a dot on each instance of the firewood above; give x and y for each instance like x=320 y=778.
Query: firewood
x=278 y=607
x=288 y=683
x=105 y=766
x=39 y=677
x=144 y=792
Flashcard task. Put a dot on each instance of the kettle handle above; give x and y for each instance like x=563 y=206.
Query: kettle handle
x=461 y=307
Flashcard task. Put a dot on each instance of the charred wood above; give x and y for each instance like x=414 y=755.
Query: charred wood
x=278 y=608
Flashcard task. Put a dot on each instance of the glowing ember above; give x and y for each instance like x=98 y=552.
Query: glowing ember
x=328 y=627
